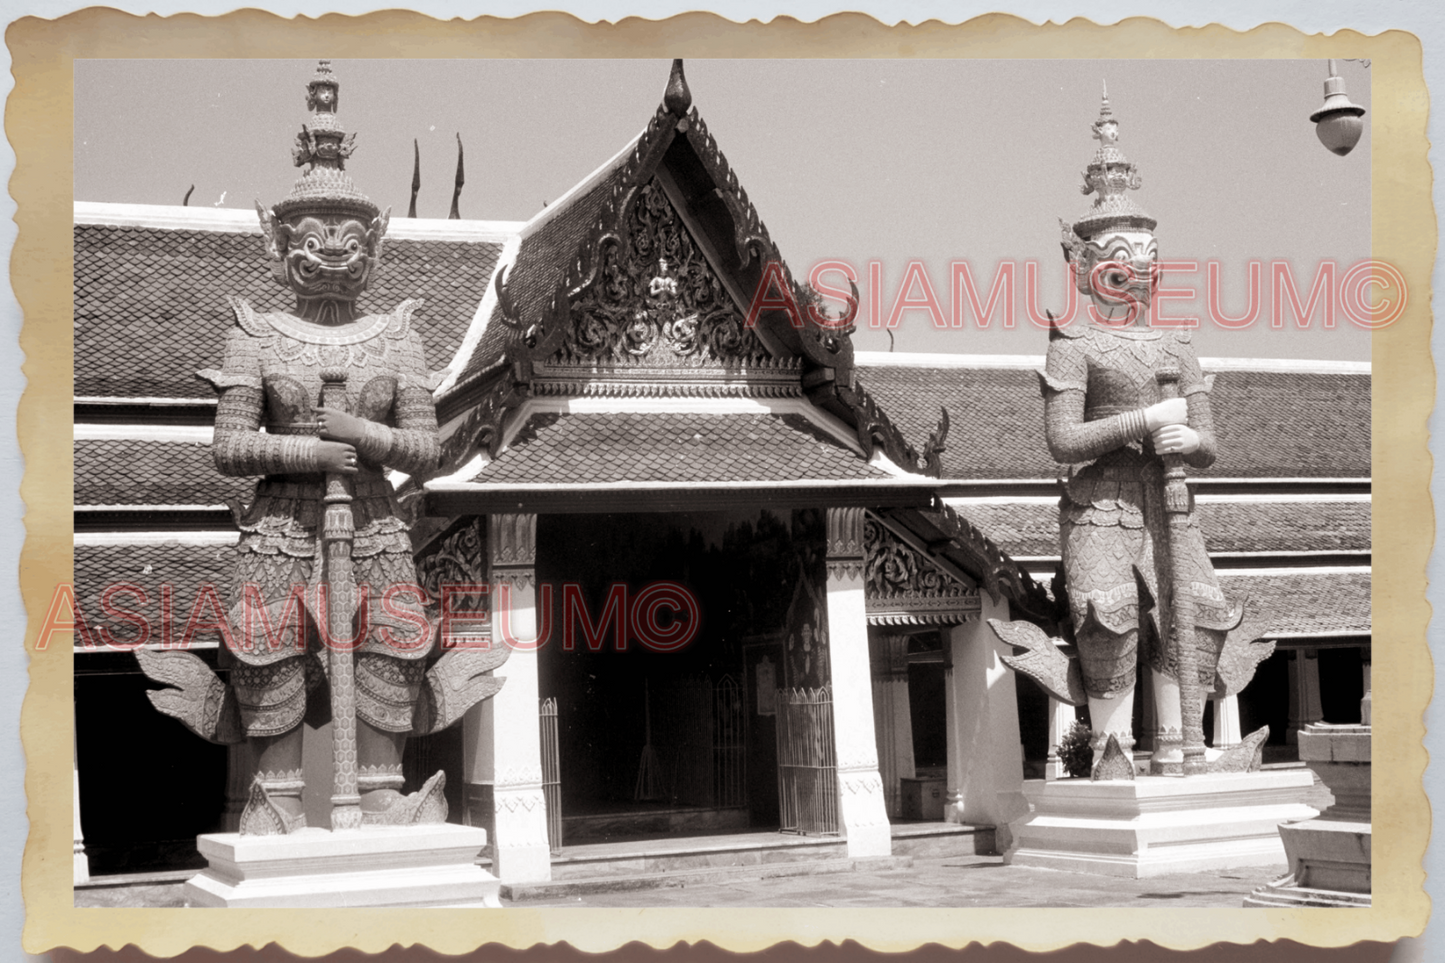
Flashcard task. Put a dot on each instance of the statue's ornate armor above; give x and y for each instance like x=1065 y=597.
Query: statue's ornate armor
x=271 y=377
x=1097 y=382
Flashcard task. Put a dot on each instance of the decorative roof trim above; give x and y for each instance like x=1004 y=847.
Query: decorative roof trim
x=238 y=221
x=1296 y=571
x=881 y=612
x=481 y=319
x=196 y=434
x=152 y=401
x=923 y=359
x=101 y=539
x=580 y=189
x=820 y=484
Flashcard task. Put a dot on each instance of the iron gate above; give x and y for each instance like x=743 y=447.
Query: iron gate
x=551 y=773
x=807 y=762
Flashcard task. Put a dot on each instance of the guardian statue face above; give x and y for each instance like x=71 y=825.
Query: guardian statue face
x=1118 y=270
x=326 y=256
x=329 y=256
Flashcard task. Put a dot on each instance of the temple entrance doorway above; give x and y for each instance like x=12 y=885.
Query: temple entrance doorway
x=652 y=663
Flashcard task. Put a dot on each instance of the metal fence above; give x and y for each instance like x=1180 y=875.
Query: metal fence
x=807 y=762
x=551 y=773
x=729 y=748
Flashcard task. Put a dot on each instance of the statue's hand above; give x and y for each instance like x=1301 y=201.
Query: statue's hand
x=337 y=425
x=1176 y=440
x=1175 y=411
x=335 y=457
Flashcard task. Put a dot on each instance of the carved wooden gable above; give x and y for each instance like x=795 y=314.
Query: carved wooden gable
x=903 y=587
x=657 y=301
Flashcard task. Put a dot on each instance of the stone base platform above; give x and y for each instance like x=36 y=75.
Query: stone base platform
x=373 y=866
x=1158 y=825
x=1329 y=857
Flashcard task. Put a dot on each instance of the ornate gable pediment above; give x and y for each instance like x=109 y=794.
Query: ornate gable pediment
x=656 y=301
x=903 y=587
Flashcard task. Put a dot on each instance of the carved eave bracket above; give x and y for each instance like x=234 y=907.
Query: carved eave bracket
x=902 y=586
x=999 y=574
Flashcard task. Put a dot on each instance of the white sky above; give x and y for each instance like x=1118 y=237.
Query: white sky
x=877 y=160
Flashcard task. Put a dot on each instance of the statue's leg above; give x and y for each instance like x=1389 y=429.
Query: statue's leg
x=279 y=769
x=1168 y=756
x=272 y=701
x=1107 y=660
x=386 y=695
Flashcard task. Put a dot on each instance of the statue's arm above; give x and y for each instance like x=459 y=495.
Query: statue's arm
x=1201 y=418
x=239 y=447
x=1071 y=439
x=411 y=446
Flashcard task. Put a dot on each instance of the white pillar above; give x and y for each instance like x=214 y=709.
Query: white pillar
x=860 y=787
x=503 y=735
x=81 y=861
x=985 y=757
x=1062 y=717
x=1304 y=692
x=892 y=717
x=1226 y=722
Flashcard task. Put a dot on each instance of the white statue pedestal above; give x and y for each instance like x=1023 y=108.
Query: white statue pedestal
x=1156 y=825
x=373 y=866
x=1329 y=857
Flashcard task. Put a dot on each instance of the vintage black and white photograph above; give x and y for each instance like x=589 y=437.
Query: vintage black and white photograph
x=724 y=483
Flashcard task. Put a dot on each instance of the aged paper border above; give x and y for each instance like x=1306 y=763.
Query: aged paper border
x=38 y=123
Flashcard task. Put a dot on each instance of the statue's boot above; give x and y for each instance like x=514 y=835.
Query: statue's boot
x=1248 y=756
x=1115 y=763
x=388 y=807
x=274 y=806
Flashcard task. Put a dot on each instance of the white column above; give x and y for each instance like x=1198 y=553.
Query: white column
x=985 y=757
x=508 y=722
x=81 y=861
x=1062 y=717
x=892 y=716
x=1226 y=722
x=860 y=788
x=1304 y=692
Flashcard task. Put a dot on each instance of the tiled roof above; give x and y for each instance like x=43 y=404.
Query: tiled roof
x=542 y=260
x=1032 y=529
x=670 y=447
x=126 y=472
x=1302 y=602
x=185 y=568
x=1270 y=424
x=150 y=304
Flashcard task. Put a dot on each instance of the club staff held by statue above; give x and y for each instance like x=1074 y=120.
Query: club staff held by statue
x=342 y=396
x=1126 y=406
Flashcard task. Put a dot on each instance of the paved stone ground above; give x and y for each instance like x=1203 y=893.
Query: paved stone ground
x=946 y=881
x=949 y=881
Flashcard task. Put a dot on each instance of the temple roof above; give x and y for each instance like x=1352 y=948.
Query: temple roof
x=1304 y=604
x=673 y=447
x=996 y=414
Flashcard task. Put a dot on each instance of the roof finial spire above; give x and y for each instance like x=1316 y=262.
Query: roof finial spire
x=677 y=98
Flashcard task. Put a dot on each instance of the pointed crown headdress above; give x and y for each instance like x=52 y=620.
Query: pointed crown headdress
x=322 y=148
x=1109 y=177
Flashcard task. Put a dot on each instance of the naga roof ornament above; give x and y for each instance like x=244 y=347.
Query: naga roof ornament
x=1109 y=177
x=322 y=147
